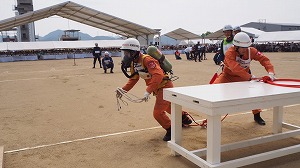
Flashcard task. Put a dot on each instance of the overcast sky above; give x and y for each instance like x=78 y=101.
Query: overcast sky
x=197 y=16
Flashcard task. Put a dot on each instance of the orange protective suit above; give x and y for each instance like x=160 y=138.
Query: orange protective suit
x=155 y=84
x=234 y=72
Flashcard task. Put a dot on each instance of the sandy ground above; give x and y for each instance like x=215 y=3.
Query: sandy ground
x=55 y=114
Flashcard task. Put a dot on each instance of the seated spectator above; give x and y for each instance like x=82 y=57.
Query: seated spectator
x=177 y=55
x=107 y=62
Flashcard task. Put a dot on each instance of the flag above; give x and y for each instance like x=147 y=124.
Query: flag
x=216 y=74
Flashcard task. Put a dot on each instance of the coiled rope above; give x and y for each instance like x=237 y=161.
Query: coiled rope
x=121 y=93
x=268 y=80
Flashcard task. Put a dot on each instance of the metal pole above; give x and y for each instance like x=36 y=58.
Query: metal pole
x=74 y=58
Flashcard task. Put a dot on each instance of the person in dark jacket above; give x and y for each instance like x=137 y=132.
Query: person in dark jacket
x=97 y=55
x=197 y=52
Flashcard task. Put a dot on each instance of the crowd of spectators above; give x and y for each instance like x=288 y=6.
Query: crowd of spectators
x=278 y=47
x=52 y=52
x=210 y=48
x=267 y=47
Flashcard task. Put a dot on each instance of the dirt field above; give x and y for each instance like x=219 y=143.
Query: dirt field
x=57 y=115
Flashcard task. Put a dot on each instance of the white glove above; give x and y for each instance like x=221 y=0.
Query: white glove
x=272 y=76
x=146 y=96
x=254 y=79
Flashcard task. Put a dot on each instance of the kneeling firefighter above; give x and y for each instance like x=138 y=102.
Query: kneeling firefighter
x=149 y=69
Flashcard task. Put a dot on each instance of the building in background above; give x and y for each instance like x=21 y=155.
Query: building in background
x=9 y=35
x=270 y=27
x=70 y=35
x=26 y=32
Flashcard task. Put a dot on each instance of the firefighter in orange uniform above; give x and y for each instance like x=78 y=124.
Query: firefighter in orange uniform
x=148 y=68
x=237 y=65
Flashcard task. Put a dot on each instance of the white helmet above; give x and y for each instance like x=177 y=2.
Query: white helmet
x=106 y=53
x=131 y=44
x=227 y=27
x=237 y=28
x=241 y=39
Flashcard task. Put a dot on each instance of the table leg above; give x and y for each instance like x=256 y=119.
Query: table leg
x=176 y=125
x=277 y=119
x=213 y=139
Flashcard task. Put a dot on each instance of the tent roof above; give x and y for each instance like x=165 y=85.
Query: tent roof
x=280 y=36
x=81 y=14
x=220 y=35
x=181 y=34
x=183 y=43
x=216 y=35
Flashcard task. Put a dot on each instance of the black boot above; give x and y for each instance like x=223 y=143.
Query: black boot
x=167 y=137
x=186 y=121
x=258 y=119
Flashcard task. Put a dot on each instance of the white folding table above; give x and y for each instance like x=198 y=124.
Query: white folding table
x=220 y=99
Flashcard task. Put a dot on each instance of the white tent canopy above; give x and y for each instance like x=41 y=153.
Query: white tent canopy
x=279 y=36
x=181 y=34
x=183 y=43
x=14 y=46
x=81 y=14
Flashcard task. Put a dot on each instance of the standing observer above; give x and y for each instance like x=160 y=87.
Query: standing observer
x=236 y=30
x=237 y=65
x=226 y=42
x=149 y=69
x=97 y=55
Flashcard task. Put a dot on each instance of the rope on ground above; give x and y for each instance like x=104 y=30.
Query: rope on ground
x=203 y=124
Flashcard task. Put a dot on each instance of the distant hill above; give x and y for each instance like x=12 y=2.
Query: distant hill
x=55 y=35
x=52 y=36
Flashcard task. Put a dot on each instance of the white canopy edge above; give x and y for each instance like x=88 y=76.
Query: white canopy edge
x=44 y=45
x=279 y=36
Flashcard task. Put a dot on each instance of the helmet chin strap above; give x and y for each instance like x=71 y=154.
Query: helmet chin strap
x=135 y=55
x=237 y=50
x=124 y=70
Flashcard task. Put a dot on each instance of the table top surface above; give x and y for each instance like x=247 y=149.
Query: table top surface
x=234 y=91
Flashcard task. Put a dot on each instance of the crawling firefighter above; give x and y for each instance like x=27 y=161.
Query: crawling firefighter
x=237 y=65
x=148 y=68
